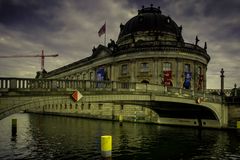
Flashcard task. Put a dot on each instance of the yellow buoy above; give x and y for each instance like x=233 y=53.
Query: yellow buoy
x=106 y=146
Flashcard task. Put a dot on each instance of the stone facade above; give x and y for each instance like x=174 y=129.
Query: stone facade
x=105 y=111
x=141 y=54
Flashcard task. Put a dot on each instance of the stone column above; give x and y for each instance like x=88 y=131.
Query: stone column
x=155 y=70
x=133 y=70
x=204 y=83
x=160 y=71
x=177 y=74
x=113 y=72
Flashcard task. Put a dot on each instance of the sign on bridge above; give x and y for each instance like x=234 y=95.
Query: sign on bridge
x=76 y=95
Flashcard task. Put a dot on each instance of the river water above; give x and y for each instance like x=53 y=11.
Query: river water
x=54 y=137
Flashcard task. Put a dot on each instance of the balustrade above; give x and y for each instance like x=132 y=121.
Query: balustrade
x=5 y=83
x=20 y=83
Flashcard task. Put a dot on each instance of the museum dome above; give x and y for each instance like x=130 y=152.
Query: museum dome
x=151 y=19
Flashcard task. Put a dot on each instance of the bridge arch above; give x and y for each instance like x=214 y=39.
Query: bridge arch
x=199 y=113
x=32 y=102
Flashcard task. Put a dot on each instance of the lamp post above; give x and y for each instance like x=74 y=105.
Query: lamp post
x=235 y=89
x=222 y=84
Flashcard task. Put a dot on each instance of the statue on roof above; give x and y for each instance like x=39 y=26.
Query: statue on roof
x=196 y=40
x=94 y=49
x=180 y=29
x=205 y=45
x=112 y=45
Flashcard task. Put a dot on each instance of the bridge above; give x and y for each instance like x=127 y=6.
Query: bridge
x=19 y=94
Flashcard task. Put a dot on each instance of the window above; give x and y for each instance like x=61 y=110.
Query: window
x=121 y=107
x=167 y=66
x=89 y=106
x=84 y=76
x=125 y=85
x=80 y=77
x=91 y=76
x=124 y=69
x=187 y=68
x=199 y=71
x=100 y=106
x=144 y=67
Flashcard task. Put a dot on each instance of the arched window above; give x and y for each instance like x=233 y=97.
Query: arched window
x=84 y=76
x=91 y=76
x=124 y=69
x=199 y=70
x=144 y=67
x=187 y=68
x=167 y=66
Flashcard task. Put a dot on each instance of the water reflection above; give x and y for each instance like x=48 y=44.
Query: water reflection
x=53 y=137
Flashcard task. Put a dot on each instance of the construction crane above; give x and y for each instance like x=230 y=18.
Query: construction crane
x=23 y=56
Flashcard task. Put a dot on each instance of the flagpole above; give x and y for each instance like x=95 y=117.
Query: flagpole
x=105 y=36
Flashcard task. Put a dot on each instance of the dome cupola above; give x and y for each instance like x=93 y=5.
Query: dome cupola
x=150 y=22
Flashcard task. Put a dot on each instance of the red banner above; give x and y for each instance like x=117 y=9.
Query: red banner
x=200 y=80
x=167 y=78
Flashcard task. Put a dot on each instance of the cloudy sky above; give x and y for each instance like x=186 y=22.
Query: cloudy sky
x=69 y=28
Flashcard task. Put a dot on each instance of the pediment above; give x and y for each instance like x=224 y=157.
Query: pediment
x=101 y=51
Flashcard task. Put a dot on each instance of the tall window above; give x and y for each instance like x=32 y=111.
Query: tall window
x=167 y=66
x=84 y=76
x=144 y=67
x=187 y=68
x=91 y=75
x=80 y=76
x=199 y=70
x=124 y=69
x=200 y=78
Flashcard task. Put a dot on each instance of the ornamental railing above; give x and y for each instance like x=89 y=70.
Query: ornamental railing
x=173 y=44
x=28 y=84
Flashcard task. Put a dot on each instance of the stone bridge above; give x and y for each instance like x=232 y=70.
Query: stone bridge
x=18 y=94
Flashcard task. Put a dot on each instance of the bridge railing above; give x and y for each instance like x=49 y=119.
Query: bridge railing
x=88 y=85
x=28 y=83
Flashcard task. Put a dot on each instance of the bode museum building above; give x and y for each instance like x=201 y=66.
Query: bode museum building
x=149 y=49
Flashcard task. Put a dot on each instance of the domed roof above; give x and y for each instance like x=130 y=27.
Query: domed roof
x=150 y=19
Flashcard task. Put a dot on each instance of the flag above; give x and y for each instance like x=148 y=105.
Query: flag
x=102 y=30
x=187 y=82
x=167 y=79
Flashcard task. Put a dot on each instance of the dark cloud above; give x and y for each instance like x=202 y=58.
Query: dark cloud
x=23 y=15
x=221 y=8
